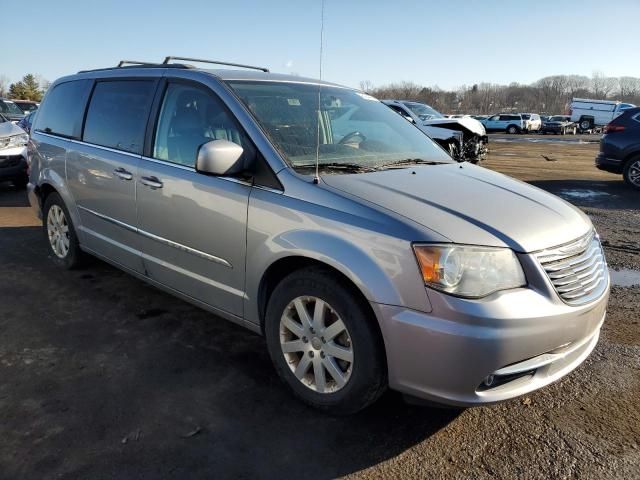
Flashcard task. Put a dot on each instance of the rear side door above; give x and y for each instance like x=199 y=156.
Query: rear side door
x=503 y=122
x=192 y=226
x=101 y=168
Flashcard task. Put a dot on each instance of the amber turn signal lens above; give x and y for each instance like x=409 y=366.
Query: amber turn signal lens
x=429 y=259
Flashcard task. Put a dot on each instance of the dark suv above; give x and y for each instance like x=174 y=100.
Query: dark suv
x=620 y=147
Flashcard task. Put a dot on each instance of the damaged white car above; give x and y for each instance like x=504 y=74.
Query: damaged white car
x=13 y=153
x=464 y=138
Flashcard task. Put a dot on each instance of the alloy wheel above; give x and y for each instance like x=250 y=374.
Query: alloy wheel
x=316 y=344
x=58 y=231
x=634 y=173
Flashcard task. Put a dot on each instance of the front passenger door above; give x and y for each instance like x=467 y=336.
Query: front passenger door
x=192 y=226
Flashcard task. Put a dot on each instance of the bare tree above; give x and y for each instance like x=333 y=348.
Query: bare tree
x=4 y=85
x=366 y=86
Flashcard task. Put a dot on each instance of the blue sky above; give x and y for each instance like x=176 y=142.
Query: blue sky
x=444 y=43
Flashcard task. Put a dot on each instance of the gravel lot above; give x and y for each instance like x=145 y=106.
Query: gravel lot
x=102 y=376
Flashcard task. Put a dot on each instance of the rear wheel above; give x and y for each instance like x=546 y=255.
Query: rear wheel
x=61 y=235
x=586 y=124
x=323 y=342
x=512 y=129
x=631 y=173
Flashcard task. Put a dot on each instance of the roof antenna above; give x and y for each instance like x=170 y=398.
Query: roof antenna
x=316 y=179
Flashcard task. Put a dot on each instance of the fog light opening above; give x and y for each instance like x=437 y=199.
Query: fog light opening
x=493 y=381
x=489 y=381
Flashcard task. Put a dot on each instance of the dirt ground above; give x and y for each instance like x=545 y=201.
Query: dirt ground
x=103 y=376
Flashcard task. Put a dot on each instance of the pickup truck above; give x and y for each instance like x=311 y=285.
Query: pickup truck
x=590 y=113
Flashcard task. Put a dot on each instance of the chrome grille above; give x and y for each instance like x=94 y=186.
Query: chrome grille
x=578 y=270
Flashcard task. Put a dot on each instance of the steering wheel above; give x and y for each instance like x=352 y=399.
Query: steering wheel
x=349 y=136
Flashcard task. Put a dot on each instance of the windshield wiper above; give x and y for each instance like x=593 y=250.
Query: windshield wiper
x=407 y=162
x=345 y=167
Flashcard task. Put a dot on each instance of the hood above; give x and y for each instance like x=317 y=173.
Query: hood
x=470 y=205
x=467 y=122
x=8 y=129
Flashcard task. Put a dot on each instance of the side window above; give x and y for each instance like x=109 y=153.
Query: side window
x=118 y=114
x=495 y=118
x=62 y=109
x=190 y=117
x=503 y=118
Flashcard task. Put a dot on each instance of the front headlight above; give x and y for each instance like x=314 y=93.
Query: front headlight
x=469 y=271
x=18 y=140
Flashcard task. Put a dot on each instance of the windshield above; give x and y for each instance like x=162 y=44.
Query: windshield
x=353 y=128
x=3 y=118
x=26 y=107
x=424 y=112
x=9 y=107
x=526 y=116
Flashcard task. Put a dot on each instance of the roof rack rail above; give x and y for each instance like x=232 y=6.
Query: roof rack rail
x=133 y=62
x=168 y=59
x=127 y=64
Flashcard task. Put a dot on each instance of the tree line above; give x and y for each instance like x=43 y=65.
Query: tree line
x=31 y=87
x=549 y=95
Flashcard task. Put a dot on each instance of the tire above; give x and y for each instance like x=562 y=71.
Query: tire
x=67 y=253
x=365 y=377
x=631 y=172
x=586 y=124
x=21 y=182
x=512 y=129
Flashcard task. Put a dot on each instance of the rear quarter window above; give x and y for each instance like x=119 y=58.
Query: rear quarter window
x=118 y=113
x=62 y=109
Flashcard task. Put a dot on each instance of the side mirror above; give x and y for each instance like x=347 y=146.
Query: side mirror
x=219 y=157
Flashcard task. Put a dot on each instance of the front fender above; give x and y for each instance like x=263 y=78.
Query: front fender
x=380 y=265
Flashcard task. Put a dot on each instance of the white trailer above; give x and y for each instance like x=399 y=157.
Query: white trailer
x=589 y=113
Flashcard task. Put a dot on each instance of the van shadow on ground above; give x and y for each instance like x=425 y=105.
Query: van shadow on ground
x=104 y=376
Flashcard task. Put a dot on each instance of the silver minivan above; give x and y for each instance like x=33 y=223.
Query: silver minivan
x=368 y=259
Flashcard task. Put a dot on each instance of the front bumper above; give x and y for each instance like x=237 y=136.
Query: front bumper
x=612 y=165
x=525 y=338
x=13 y=162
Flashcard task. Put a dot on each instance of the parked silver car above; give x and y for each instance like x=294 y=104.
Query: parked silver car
x=392 y=266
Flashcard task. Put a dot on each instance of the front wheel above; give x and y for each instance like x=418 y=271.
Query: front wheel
x=324 y=343
x=61 y=235
x=631 y=173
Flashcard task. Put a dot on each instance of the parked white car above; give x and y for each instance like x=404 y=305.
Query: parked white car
x=532 y=122
x=590 y=113
x=464 y=138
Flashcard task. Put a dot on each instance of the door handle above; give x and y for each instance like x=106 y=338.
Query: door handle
x=152 y=182
x=123 y=174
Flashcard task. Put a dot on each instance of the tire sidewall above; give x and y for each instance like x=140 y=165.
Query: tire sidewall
x=72 y=258
x=368 y=376
x=625 y=172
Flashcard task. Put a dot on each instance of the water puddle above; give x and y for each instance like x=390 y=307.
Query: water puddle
x=625 y=277
x=585 y=194
x=543 y=140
